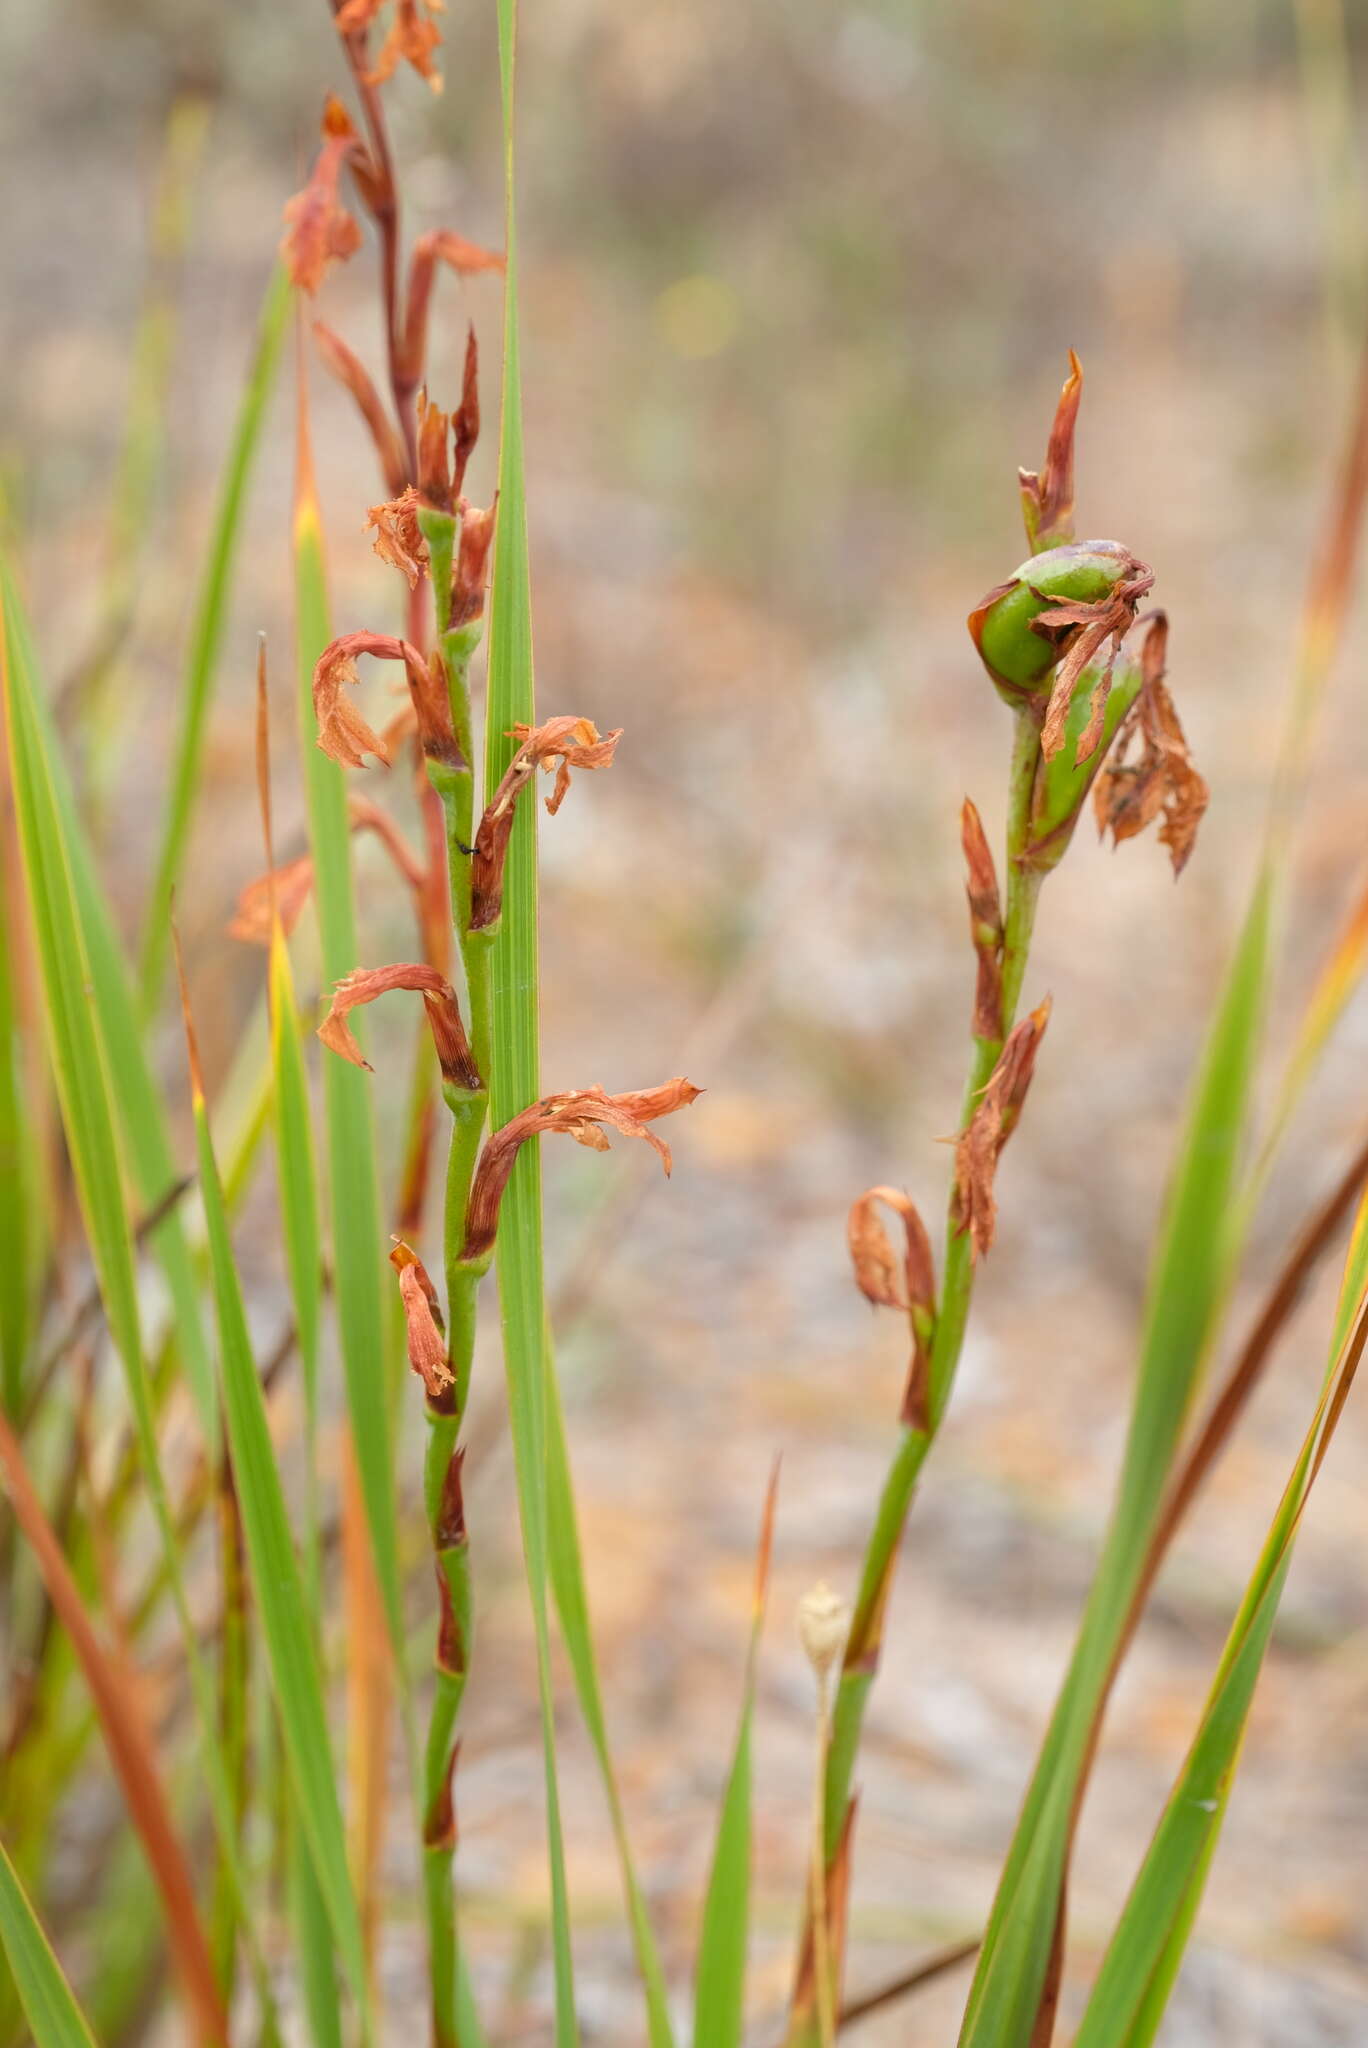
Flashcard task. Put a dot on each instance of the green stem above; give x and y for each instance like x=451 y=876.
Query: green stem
x=895 y=1502
x=455 y=784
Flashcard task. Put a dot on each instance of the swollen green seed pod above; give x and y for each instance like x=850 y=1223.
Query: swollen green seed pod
x=1018 y=656
x=1062 y=784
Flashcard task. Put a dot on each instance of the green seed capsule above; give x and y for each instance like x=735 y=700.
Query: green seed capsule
x=1061 y=786
x=1018 y=659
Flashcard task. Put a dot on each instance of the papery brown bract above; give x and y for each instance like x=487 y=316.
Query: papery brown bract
x=979 y=1146
x=985 y=922
x=572 y=743
x=427 y=1351
x=397 y=537
x=319 y=229
x=472 y=565
x=364 y=984
x=579 y=1115
x=1129 y=795
x=878 y=1272
x=1082 y=630
x=1047 y=497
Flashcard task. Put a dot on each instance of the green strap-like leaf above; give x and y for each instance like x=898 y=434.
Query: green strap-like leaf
x=277 y=1584
x=513 y=1080
x=44 y=1993
x=206 y=635
x=1188 y=1286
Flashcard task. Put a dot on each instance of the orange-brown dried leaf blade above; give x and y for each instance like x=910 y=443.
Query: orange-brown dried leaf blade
x=115 y=1694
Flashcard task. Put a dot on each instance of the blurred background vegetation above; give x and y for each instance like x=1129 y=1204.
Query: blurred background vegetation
x=799 y=287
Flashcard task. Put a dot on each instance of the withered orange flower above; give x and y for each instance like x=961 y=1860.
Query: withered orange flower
x=398 y=538
x=979 y=1146
x=364 y=984
x=319 y=229
x=1082 y=630
x=985 y=922
x=343 y=733
x=251 y=922
x=413 y=36
x=881 y=1276
x=1130 y=794
x=293 y=884
x=908 y=1283
x=573 y=743
x=343 y=363
x=427 y=1352
x=1047 y=497
x=581 y=1114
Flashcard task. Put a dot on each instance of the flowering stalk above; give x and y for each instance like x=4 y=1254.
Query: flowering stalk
x=1050 y=638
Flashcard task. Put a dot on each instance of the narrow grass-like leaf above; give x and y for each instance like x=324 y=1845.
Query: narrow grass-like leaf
x=572 y=1607
x=138 y=1104
x=1145 y=1952
x=1187 y=1288
x=206 y=636
x=513 y=1080
x=720 y=1980
x=44 y=1993
x=275 y=1574
x=20 y=1212
x=115 y=1694
x=353 y=1187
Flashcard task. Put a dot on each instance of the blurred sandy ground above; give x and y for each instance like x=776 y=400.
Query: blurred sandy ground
x=799 y=287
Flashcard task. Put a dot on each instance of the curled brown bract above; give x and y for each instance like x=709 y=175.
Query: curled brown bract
x=571 y=743
x=1129 y=795
x=582 y=1115
x=979 y=1146
x=319 y=230
x=439 y=1000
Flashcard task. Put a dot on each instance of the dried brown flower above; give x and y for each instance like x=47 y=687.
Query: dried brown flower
x=251 y=921
x=1130 y=794
x=343 y=733
x=398 y=538
x=427 y=1350
x=319 y=229
x=574 y=743
x=580 y=1115
x=979 y=1146
x=1047 y=496
x=1082 y=630
x=985 y=922
x=293 y=883
x=413 y=36
x=908 y=1284
x=364 y=984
